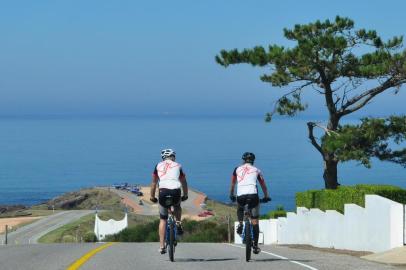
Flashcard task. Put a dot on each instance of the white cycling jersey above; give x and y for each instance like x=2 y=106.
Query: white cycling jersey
x=169 y=172
x=246 y=177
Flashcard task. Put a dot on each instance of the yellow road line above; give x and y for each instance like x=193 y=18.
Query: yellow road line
x=77 y=264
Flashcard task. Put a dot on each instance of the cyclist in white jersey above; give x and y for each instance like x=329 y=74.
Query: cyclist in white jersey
x=246 y=177
x=169 y=177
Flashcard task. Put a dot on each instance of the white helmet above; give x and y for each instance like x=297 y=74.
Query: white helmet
x=167 y=153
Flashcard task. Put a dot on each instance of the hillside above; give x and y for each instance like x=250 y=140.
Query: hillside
x=84 y=199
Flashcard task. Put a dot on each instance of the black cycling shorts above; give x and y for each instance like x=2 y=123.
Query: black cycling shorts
x=253 y=204
x=165 y=203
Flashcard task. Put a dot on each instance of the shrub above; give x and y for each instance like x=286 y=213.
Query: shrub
x=140 y=233
x=90 y=237
x=204 y=231
x=327 y=199
x=194 y=231
x=278 y=212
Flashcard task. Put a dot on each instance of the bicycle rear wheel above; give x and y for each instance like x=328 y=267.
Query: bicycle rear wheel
x=248 y=241
x=171 y=244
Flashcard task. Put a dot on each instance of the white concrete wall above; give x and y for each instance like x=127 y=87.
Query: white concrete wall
x=103 y=228
x=377 y=227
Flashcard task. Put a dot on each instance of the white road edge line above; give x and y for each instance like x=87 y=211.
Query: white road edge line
x=281 y=257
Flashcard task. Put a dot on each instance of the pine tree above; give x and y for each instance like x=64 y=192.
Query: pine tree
x=349 y=68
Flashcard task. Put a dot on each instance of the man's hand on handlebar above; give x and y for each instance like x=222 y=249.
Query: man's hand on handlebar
x=233 y=198
x=153 y=199
x=265 y=199
x=184 y=198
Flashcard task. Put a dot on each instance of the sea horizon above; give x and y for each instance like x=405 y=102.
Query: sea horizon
x=43 y=159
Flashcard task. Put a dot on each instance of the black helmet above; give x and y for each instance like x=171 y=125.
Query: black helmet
x=248 y=157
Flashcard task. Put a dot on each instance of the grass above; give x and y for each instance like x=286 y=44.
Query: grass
x=212 y=229
x=144 y=228
x=140 y=227
x=221 y=211
x=78 y=230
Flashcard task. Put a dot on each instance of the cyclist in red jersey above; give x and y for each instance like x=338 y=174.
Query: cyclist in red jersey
x=170 y=178
x=245 y=177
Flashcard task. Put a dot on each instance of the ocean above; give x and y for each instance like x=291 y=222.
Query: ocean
x=42 y=157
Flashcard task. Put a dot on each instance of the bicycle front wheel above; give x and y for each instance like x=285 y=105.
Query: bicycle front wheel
x=171 y=246
x=248 y=240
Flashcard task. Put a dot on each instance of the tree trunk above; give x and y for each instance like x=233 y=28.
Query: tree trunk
x=330 y=174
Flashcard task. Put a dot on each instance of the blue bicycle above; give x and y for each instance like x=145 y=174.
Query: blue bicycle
x=248 y=232
x=171 y=235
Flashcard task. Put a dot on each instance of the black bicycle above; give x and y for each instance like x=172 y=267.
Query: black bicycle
x=248 y=232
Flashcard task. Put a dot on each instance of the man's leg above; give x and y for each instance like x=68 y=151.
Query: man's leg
x=255 y=227
x=178 y=212
x=163 y=214
x=162 y=230
x=178 y=216
x=240 y=217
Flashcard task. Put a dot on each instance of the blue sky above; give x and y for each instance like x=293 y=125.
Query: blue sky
x=152 y=57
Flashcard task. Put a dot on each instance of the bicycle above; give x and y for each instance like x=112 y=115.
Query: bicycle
x=171 y=235
x=170 y=231
x=247 y=231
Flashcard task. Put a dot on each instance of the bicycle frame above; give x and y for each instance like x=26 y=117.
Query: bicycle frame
x=247 y=218
x=248 y=240
x=171 y=220
x=171 y=234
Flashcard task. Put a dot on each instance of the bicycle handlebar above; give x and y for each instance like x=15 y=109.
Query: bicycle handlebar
x=265 y=200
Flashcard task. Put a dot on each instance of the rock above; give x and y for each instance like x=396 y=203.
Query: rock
x=67 y=203
x=11 y=208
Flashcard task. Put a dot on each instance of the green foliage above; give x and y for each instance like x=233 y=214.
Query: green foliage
x=90 y=237
x=324 y=54
x=278 y=212
x=194 y=231
x=139 y=233
x=327 y=199
x=371 y=138
x=290 y=105
x=204 y=231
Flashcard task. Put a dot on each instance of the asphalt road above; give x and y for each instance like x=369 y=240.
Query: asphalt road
x=145 y=209
x=125 y=256
x=30 y=233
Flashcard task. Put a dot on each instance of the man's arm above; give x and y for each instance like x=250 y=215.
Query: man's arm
x=232 y=185
x=182 y=179
x=233 y=182
x=261 y=181
x=154 y=183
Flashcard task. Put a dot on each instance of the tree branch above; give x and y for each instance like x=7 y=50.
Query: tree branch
x=311 y=126
x=298 y=89
x=365 y=97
